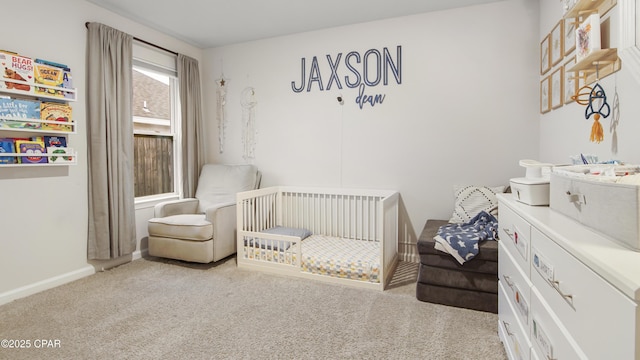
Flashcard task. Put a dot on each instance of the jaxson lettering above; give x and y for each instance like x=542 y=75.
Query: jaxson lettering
x=369 y=69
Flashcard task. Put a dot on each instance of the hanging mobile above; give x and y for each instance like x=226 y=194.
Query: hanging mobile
x=597 y=98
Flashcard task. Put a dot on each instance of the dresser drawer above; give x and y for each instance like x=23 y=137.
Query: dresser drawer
x=548 y=340
x=513 y=335
x=595 y=313
x=516 y=235
x=517 y=286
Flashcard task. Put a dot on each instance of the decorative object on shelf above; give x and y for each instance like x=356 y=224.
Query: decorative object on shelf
x=588 y=37
x=545 y=60
x=556 y=41
x=557 y=92
x=570 y=85
x=569 y=35
x=249 y=136
x=545 y=101
x=221 y=99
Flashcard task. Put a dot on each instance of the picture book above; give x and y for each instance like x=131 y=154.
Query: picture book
x=11 y=109
x=62 y=155
x=50 y=76
x=7 y=146
x=16 y=67
x=58 y=112
x=66 y=80
x=55 y=141
x=34 y=149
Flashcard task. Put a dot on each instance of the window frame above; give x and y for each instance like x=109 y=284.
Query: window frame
x=159 y=62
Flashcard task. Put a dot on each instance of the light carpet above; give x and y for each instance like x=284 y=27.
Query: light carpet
x=162 y=309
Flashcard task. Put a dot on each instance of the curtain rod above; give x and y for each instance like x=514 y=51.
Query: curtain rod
x=146 y=42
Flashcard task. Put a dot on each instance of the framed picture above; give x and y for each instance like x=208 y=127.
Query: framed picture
x=569 y=35
x=545 y=100
x=556 y=40
x=571 y=81
x=588 y=37
x=545 y=60
x=557 y=92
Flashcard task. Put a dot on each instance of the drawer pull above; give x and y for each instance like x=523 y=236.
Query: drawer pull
x=508 y=232
x=567 y=297
x=507 y=328
x=576 y=198
x=507 y=279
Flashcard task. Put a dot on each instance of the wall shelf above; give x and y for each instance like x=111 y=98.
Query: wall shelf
x=13 y=125
x=597 y=65
x=32 y=91
x=587 y=7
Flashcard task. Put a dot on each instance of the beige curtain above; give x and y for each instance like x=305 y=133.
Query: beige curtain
x=192 y=126
x=112 y=231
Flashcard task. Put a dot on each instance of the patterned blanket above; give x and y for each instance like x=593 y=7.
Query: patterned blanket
x=461 y=240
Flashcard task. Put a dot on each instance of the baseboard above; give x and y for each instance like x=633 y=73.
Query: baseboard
x=47 y=284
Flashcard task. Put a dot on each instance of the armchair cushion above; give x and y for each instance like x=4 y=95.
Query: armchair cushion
x=187 y=226
x=220 y=183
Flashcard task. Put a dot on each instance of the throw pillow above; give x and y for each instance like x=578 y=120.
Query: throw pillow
x=470 y=200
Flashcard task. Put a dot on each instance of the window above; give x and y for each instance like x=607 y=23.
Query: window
x=155 y=130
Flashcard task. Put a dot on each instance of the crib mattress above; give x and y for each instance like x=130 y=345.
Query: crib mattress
x=341 y=258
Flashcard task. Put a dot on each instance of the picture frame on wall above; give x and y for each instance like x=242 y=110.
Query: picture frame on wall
x=556 y=93
x=556 y=42
x=545 y=60
x=545 y=100
x=571 y=81
x=569 y=35
x=588 y=37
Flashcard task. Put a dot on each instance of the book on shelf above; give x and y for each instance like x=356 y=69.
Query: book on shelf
x=60 y=154
x=54 y=141
x=11 y=110
x=53 y=74
x=59 y=112
x=7 y=146
x=16 y=67
x=34 y=149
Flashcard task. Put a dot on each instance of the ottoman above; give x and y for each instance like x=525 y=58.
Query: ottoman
x=442 y=280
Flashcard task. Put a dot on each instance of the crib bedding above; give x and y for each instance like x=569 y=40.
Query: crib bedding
x=341 y=258
x=324 y=255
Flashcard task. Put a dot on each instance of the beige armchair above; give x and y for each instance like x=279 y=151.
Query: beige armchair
x=202 y=229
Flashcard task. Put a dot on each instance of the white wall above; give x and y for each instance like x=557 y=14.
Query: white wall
x=43 y=217
x=565 y=131
x=465 y=113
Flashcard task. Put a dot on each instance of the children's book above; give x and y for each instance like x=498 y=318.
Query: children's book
x=16 y=67
x=19 y=109
x=66 y=81
x=7 y=146
x=59 y=112
x=34 y=149
x=55 y=141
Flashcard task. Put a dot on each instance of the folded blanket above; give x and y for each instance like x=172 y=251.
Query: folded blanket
x=461 y=240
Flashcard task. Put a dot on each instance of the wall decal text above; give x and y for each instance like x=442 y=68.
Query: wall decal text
x=370 y=69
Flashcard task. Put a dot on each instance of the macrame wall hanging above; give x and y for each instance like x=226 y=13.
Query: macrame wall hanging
x=221 y=99
x=249 y=133
x=597 y=106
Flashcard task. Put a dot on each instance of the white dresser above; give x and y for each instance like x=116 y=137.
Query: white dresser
x=565 y=292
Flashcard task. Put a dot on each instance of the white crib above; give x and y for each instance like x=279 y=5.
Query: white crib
x=354 y=233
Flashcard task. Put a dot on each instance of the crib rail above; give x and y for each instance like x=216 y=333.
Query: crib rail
x=366 y=215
